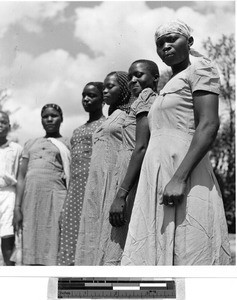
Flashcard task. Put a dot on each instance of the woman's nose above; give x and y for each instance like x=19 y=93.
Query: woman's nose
x=49 y=118
x=86 y=98
x=166 y=47
x=134 y=79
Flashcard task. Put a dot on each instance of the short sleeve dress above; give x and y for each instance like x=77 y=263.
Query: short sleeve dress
x=114 y=245
x=81 y=149
x=43 y=198
x=93 y=230
x=195 y=232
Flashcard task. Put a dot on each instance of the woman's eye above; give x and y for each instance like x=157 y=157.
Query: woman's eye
x=138 y=75
x=172 y=39
x=159 y=44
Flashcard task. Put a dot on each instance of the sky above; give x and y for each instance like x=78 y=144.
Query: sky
x=49 y=50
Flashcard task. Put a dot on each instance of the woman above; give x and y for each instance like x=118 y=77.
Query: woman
x=178 y=216
x=107 y=139
x=143 y=78
x=41 y=190
x=81 y=148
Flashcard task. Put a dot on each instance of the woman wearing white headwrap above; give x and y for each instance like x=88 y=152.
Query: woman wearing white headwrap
x=178 y=216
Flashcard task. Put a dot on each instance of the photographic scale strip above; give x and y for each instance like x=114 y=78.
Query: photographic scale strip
x=115 y=288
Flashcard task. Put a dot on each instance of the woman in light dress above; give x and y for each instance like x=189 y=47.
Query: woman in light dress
x=41 y=190
x=178 y=216
x=143 y=78
x=107 y=139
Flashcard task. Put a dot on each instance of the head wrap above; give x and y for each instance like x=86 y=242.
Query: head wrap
x=54 y=106
x=176 y=26
x=99 y=85
x=179 y=27
x=123 y=102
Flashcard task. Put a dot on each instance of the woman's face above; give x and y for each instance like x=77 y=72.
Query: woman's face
x=111 y=92
x=140 y=77
x=4 y=125
x=51 y=120
x=172 y=48
x=91 y=98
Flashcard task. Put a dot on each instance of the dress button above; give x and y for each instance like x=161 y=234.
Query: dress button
x=43 y=148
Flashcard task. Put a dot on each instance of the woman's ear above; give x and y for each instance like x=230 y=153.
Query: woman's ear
x=156 y=79
x=190 y=41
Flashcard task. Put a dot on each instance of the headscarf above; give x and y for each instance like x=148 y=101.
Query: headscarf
x=99 y=85
x=179 y=27
x=176 y=26
x=54 y=106
x=123 y=102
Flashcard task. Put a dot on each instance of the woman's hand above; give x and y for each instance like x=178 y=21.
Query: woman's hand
x=17 y=220
x=20 y=186
x=174 y=192
x=60 y=219
x=117 y=210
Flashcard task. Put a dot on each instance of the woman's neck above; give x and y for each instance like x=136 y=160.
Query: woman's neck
x=96 y=115
x=3 y=140
x=53 y=135
x=181 y=66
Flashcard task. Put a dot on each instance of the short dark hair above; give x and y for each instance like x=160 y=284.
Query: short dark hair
x=54 y=106
x=99 y=85
x=151 y=65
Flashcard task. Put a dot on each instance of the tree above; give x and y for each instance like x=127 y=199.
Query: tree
x=223 y=152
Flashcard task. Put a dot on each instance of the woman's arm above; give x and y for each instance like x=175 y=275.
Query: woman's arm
x=20 y=186
x=117 y=210
x=207 y=125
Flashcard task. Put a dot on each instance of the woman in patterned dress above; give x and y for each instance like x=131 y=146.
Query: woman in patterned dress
x=81 y=149
x=41 y=190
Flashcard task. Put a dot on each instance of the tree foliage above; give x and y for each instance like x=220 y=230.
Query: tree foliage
x=223 y=151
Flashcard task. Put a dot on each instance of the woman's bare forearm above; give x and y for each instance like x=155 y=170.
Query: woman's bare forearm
x=20 y=186
x=203 y=138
